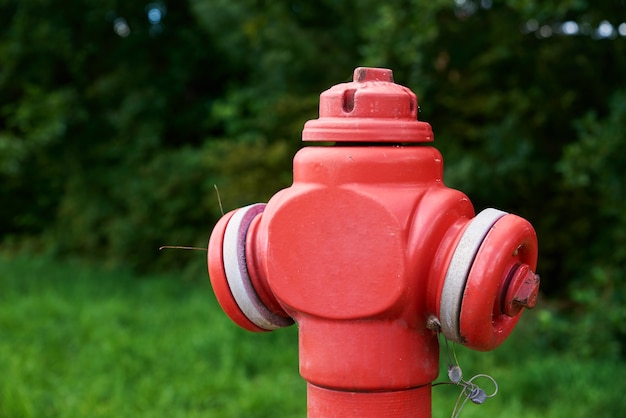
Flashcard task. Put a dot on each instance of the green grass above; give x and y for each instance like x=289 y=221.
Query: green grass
x=538 y=384
x=80 y=341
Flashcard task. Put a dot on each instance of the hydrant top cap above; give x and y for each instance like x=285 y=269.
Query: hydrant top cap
x=371 y=108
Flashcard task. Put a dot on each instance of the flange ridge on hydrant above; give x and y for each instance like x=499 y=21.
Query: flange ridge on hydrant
x=363 y=248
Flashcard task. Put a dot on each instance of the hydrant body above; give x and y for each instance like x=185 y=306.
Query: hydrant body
x=365 y=251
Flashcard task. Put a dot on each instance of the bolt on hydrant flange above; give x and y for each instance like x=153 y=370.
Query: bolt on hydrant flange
x=363 y=248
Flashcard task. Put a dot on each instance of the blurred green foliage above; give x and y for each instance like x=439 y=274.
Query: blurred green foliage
x=79 y=341
x=114 y=128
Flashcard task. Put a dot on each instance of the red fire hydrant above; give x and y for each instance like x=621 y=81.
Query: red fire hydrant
x=366 y=251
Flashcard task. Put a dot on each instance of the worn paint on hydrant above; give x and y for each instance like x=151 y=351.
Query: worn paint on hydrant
x=365 y=249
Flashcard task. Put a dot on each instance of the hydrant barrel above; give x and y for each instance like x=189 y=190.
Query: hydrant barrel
x=366 y=250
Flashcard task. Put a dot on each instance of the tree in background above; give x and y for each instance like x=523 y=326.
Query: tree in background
x=117 y=119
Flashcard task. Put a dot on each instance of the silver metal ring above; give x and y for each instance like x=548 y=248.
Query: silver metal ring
x=458 y=271
x=236 y=269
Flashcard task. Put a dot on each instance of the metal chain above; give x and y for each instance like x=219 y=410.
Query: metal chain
x=469 y=390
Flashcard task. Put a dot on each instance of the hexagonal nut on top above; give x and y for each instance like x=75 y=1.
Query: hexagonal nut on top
x=363 y=74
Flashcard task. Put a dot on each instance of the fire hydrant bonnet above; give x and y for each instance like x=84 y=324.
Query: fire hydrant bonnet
x=372 y=108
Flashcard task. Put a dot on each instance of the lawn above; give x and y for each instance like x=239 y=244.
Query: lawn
x=85 y=341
